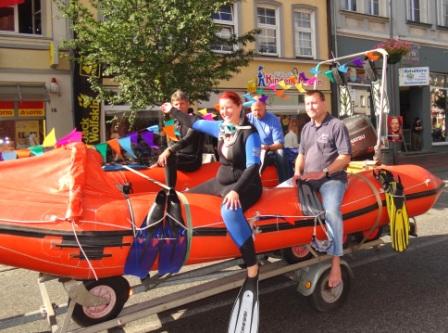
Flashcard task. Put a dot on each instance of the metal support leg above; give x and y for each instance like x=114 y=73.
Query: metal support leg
x=68 y=316
x=47 y=305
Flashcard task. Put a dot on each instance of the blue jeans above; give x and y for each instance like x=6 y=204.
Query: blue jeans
x=332 y=192
x=278 y=159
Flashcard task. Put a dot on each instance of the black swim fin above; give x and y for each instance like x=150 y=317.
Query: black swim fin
x=173 y=246
x=145 y=247
x=246 y=309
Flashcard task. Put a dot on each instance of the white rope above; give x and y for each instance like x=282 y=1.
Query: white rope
x=83 y=252
x=152 y=224
x=178 y=222
x=147 y=177
x=131 y=213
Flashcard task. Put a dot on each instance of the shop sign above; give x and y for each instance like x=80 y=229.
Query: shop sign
x=266 y=79
x=87 y=107
x=413 y=76
x=6 y=109
x=32 y=109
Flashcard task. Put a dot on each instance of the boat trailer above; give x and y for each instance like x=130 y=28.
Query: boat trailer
x=216 y=278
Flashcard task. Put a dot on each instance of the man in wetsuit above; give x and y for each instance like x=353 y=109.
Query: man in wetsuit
x=185 y=154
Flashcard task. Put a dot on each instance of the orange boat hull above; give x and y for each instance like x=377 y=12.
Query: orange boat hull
x=98 y=224
x=185 y=180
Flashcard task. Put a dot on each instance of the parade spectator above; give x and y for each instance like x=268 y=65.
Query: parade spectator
x=416 y=134
x=271 y=135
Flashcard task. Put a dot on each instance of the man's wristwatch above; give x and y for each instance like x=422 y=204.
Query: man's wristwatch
x=326 y=172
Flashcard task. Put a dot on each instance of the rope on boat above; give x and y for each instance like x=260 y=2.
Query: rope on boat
x=151 y=224
x=131 y=213
x=83 y=252
x=189 y=222
x=376 y=193
x=177 y=221
x=141 y=174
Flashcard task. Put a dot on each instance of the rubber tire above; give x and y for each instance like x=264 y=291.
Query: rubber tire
x=119 y=285
x=318 y=301
x=292 y=257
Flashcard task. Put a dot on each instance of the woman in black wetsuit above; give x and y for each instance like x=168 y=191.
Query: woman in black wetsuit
x=238 y=180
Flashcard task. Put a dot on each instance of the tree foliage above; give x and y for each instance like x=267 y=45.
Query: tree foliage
x=149 y=48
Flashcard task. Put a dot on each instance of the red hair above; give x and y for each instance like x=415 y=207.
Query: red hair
x=232 y=96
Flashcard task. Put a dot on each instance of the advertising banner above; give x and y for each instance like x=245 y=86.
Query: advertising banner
x=87 y=108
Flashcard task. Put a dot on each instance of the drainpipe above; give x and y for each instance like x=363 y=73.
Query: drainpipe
x=333 y=48
x=393 y=89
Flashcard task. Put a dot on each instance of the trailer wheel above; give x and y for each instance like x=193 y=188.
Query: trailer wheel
x=324 y=298
x=296 y=254
x=115 y=290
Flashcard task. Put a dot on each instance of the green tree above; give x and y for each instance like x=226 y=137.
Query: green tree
x=149 y=48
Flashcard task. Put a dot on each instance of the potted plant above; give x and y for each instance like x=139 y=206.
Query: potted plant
x=396 y=48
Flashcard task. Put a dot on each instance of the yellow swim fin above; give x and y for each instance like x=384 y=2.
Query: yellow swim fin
x=396 y=209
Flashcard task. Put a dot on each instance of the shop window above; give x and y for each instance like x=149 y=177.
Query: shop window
x=227 y=27
x=25 y=18
x=21 y=124
x=268 y=39
x=304 y=31
x=439 y=114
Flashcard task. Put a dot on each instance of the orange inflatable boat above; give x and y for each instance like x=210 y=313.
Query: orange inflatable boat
x=185 y=180
x=61 y=214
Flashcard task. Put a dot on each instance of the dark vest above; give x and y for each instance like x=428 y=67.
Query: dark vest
x=192 y=151
x=232 y=168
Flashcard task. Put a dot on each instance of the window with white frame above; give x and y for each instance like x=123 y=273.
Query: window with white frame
x=227 y=27
x=25 y=18
x=304 y=32
x=418 y=10
x=349 y=5
x=442 y=9
x=268 y=38
x=373 y=7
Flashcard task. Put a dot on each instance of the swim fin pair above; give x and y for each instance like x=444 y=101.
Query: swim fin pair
x=161 y=236
x=245 y=315
x=396 y=209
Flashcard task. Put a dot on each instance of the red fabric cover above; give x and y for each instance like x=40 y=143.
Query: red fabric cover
x=54 y=184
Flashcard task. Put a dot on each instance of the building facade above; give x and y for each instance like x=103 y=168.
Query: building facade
x=293 y=39
x=418 y=84
x=35 y=77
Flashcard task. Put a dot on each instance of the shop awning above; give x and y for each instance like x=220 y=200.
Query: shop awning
x=19 y=92
x=6 y=3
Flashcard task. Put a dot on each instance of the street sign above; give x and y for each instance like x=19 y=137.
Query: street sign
x=413 y=76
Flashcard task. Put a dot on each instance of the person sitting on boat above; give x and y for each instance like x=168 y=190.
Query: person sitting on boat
x=271 y=135
x=324 y=154
x=238 y=180
x=185 y=154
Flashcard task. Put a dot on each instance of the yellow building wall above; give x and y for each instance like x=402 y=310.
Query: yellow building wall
x=287 y=61
x=31 y=59
x=247 y=22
